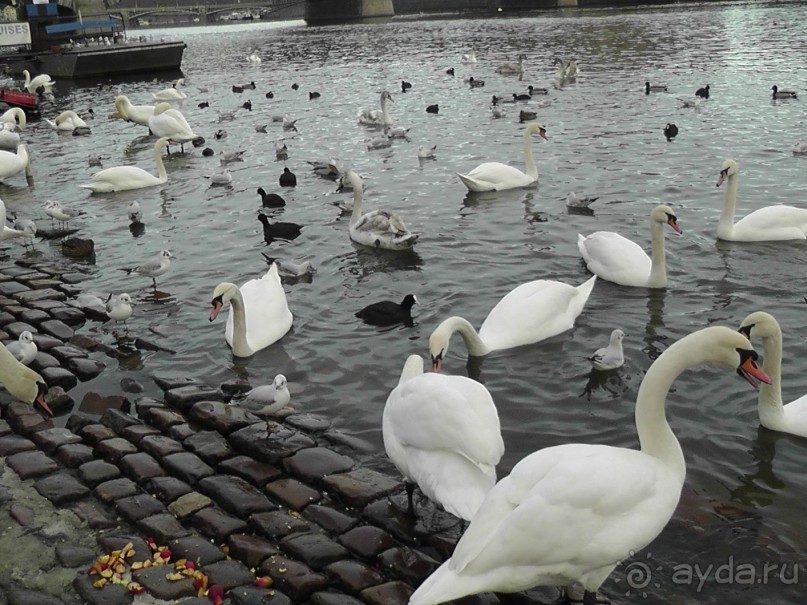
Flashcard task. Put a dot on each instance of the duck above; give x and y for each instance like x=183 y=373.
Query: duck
x=521 y=97
x=266 y=399
x=512 y=68
x=40 y=81
x=119 y=308
x=530 y=313
x=474 y=83
x=139 y=114
x=313 y=95
x=457 y=467
x=388 y=313
x=654 y=88
x=377 y=117
x=23 y=349
x=496 y=176
x=450 y=71
x=527 y=116
x=571 y=513
x=12 y=163
x=23 y=383
x=703 y=92
x=773 y=413
x=247 y=105
x=670 y=132
x=287 y=178
x=154 y=267
x=259 y=314
x=126 y=178
x=619 y=260
x=270 y=200
x=405 y=85
x=467 y=59
x=67 y=121
x=783 y=94
x=278 y=230
x=537 y=91
x=171 y=94
x=377 y=228
x=610 y=357
x=170 y=123
x=771 y=223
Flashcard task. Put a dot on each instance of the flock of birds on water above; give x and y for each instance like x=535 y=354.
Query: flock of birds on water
x=565 y=516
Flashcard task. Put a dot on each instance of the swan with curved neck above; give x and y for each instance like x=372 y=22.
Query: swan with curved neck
x=171 y=123
x=171 y=94
x=67 y=121
x=23 y=383
x=42 y=80
x=495 y=176
x=622 y=261
x=570 y=513
x=15 y=116
x=512 y=68
x=530 y=313
x=125 y=178
x=771 y=223
x=13 y=163
x=773 y=414
x=377 y=228
x=455 y=467
x=260 y=314
x=376 y=117
x=139 y=114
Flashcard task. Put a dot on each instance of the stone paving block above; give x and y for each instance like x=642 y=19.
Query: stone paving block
x=65 y=353
x=252 y=595
x=109 y=491
x=12 y=444
x=72 y=317
x=168 y=489
x=74 y=455
x=209 y=446
x=111 y=594
x=19 y=595
x=74 y=556
x=59 y=377
x=162 y=527
x=186 y=466
x=183 y=398
x=29 y=465
x=278 y=524
x=367 y=541
x=293 y=493
x=292 y=577
x=354 y=576
x=24 y=515
x=312 y=464
x=163 y=418
x=97 y=404
x=391 y=593
x=93 y=513
x=50 y=440
x=281 y=442
x=24 y=419
x=160 y=446
x=308 y=423
x=141 y=467
x=117 y=420
x=167 y=383
x=16 y=328
x=197 y=549
x=229 y=574
x=94 y=434
x=329 y=519
x=86 y=369
x=4 y=428
x=139 y=506
x=114 y=449
x=217 y=524
x=97 y=471
x=33 y=316
x=361 y=486
x=257 y=473
x=44 y=360
x=407 y=564
x=250 y=549
x=221 y=417
x=61 y=488
x=313 y=549
x=154 y=580
x=56 y=328
x=136 y=432
x=180 y=432
x=189 y=504
x=117 y=541
x=235 y=495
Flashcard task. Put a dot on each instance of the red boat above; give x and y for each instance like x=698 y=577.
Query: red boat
x=19 y=98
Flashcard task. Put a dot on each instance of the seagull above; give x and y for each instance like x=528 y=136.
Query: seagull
x=379 y=142
x=281 y=151
x=799 y=149
x=119 y=308
x=576 y=201
x=220 y=178
x=288 y=123
x=610 y=357
x=60 y=212
x=230 y=156
x=291 y=269
x=24 y=228
x=133 y=211
x=24 y=349
x=153 y=267
x=427 y=153
x=267 y=399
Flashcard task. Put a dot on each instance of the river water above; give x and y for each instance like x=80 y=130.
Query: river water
x=742 y=505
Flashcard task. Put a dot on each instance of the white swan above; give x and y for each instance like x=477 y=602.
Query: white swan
x=530 y=313
x=7 y=232
x=42 y=80
x=377 y=228
x=67 y=121
x=377 y=117
x=169 y=122
x=9 y=137
x=139 y=114
x=124 y=178
x=443 y=433
x=771 y=223
x=570 y=513
x=23 y=349
x=495 y=176
x=15 y=116
x=171 y=94
x=23 y=383
x=622 y=261
x=773 y=414
x=259 y=316
x=512 y=68
x=468 y=58
x=253 y=57
x=13 y=163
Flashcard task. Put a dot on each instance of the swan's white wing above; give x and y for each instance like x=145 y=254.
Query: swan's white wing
x=615 y=258
x=774 y=218
x=499 y=176
x=266 y=311
x=530 y=313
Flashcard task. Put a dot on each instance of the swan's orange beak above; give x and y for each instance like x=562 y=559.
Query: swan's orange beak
x=40 y=405
x=721 y=178
x=437 y=363
x=217 y=304
x=673 y=222
x=542 y=134
x=752 y=373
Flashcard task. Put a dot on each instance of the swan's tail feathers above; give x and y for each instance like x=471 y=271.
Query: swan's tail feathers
x=443 y=585
x=586 y=287
x=581 y=246
x=472 y=184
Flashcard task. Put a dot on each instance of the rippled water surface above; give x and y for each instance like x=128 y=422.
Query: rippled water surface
x=745 y=490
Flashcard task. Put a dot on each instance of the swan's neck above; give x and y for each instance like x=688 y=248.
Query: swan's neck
x=658 y=267
x=239 y=322
x=358 y=194
x=532 y=170
x=475 y=345
x=726 y=223
x=771 y=409
x=158 y=158
x=387 y=120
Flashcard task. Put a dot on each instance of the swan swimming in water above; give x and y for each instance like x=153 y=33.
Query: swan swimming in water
x=67 y=121
x=771 y=223
x=42 y=80
x=170 y=123
x=443 y=434
x=13 y=163
x=495 y=176
x=139 y=114
x=530 y=313
x=377 y=117
x=571 y=513
x=124 y=178
x=171 y=94
x=622 y=261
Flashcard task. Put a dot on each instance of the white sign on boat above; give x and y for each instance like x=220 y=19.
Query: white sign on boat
x=14 y=34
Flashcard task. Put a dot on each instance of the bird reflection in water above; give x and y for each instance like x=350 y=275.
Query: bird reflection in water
x=610 y=381
x=369 y=261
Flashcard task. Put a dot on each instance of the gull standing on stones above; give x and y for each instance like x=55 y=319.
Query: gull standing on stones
x=153 y=267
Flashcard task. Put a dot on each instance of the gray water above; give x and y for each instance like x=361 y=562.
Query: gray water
x=743 y=499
